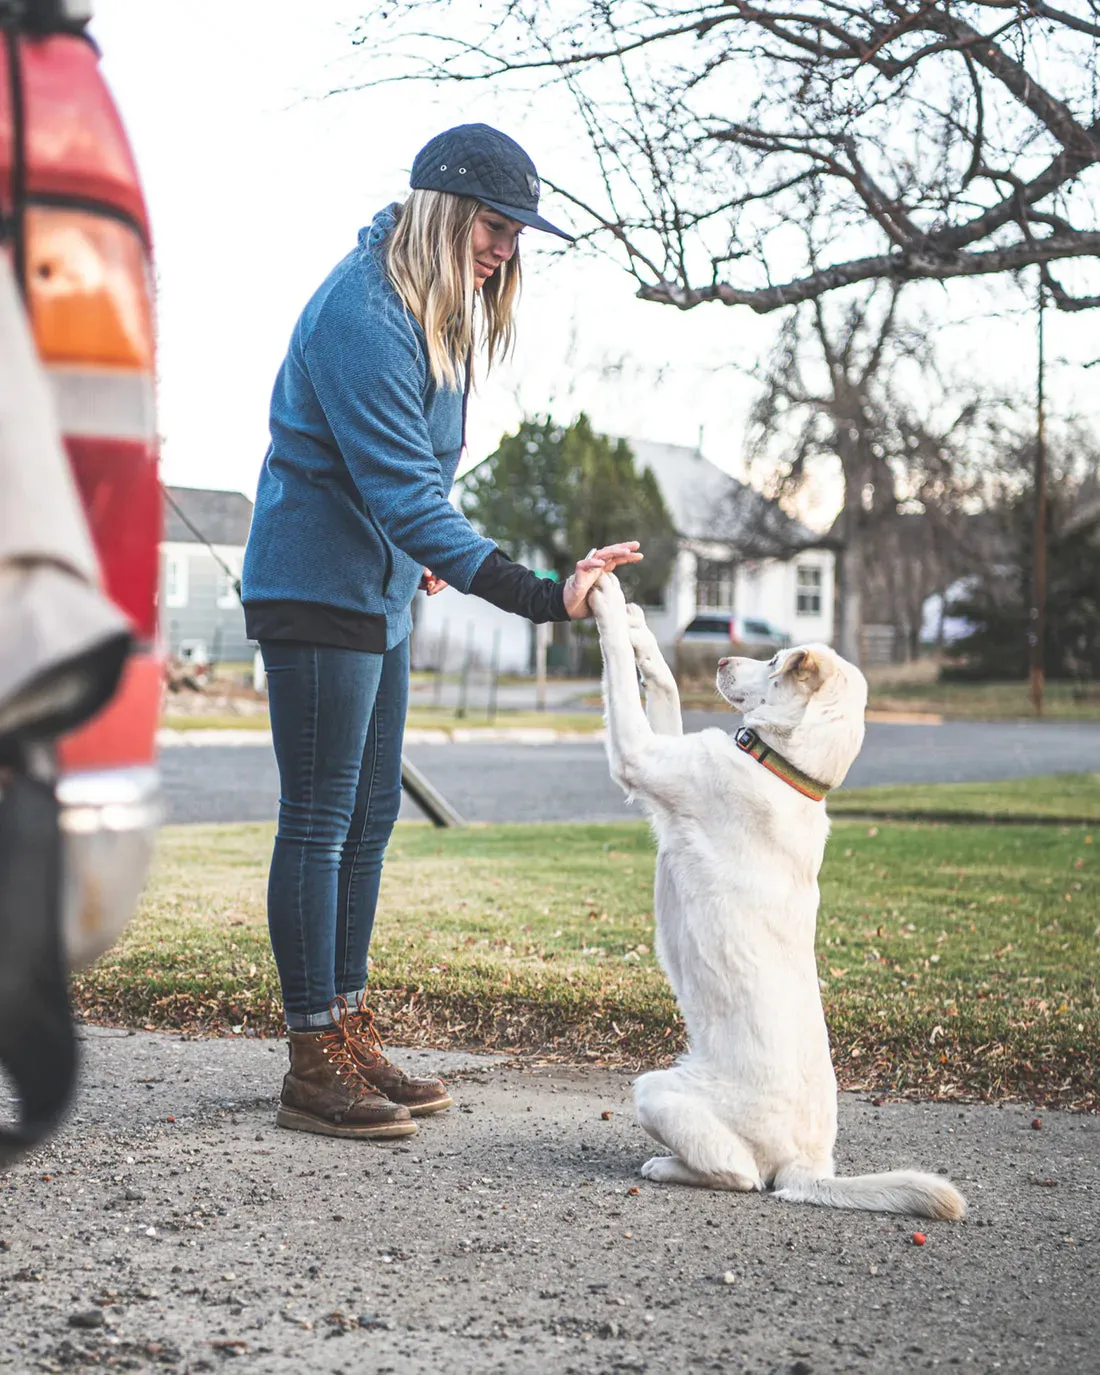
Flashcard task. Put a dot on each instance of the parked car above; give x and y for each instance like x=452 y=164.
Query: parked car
x=752 y=637
x=708 y=628
x=73 y=218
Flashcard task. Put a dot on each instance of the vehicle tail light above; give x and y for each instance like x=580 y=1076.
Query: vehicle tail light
x=88 y=290
x=89 y=293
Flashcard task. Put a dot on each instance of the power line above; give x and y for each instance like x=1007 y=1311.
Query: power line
x=234 y=580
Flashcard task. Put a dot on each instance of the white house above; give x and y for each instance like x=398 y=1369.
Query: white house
x=198 y=601
x=739 y=554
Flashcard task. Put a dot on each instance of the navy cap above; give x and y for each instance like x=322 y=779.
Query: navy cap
x=479 y=161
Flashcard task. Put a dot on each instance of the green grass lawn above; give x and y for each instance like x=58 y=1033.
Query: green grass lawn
x=955 y=701
x=954 y=960
x=985 y=701
x=1066 y=796
x=418 y=718
x=222 y=720
x=442 y=718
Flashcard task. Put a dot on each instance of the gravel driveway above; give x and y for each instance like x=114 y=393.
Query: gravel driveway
x=172 y=1227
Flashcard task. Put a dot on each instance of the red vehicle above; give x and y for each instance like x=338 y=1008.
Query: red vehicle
x=73 y=219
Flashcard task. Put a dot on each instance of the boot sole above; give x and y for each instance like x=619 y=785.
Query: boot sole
x=437 y=1105
x=303 y=1122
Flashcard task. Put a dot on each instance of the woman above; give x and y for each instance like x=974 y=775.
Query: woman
x=351 y=516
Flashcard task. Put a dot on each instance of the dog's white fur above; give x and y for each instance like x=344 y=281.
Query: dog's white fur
x=752 y=1105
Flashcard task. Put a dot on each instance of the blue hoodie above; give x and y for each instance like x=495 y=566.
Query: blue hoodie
x=352 y=499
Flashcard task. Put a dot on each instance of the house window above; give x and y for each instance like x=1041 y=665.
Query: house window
x=227 y=595
x=808 y=590
x=175 y=580
x=714 y=584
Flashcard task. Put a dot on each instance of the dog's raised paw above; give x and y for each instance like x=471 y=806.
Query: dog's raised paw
x=606 y=596
x=647 y=652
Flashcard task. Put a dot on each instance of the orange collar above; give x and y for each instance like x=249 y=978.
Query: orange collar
x=748 y=740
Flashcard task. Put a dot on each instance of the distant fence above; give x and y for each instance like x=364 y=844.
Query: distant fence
x=879 y=645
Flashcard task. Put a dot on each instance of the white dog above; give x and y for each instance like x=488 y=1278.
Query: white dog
x=741 y=827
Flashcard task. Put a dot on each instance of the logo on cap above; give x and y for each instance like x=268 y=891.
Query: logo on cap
x=533 y=185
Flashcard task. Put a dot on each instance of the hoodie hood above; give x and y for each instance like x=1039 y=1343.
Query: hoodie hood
x=373 y=235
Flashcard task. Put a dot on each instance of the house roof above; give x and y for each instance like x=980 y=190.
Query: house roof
x=220 y=517
x=706 y=503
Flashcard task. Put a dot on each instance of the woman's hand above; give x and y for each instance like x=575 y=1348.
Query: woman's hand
x=595 y=562
x=431 y=584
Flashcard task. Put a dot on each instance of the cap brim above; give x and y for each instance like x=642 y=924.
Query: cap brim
x=527 y=217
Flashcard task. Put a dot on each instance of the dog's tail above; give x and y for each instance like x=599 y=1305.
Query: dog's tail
x=896 y=1191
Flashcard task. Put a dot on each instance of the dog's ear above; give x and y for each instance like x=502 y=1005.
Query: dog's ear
x=807 y=667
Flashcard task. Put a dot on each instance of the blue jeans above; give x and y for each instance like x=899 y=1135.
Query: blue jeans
x=337 y=722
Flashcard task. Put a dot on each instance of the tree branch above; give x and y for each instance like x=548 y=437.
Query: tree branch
x=894 y=266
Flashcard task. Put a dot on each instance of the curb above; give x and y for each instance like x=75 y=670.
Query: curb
x=904 y=718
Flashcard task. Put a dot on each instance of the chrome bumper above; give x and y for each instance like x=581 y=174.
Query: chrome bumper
x=108 y=821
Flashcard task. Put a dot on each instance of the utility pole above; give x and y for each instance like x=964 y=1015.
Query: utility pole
x=1036 y=631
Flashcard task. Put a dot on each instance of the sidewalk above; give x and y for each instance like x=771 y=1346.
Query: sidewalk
x=172 y=1226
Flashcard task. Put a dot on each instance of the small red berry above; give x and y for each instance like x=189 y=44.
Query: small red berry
x=919 y=1238
x=1036 y=1123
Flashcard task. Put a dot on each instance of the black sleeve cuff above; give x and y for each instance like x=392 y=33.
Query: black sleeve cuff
x=515 y=588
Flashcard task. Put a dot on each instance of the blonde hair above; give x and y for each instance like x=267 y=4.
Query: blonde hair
x=431 y=266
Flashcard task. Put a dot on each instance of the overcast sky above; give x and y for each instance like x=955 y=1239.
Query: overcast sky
x=257 y=186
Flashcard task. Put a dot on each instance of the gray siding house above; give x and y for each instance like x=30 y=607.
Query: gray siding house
x=198 y=601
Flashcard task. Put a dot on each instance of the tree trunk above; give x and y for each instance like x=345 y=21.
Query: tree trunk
x=849 y=580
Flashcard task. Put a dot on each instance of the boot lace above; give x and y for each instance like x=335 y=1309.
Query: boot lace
x=338 y=1047
x=366 y=1043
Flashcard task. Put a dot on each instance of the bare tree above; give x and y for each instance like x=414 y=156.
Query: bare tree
x=937 y=138
x=835 y=389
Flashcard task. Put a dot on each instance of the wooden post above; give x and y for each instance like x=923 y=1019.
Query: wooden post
x=441 y=667
x=542 y=641
x=494 y=674
x=467 y=665
x=1036 y=630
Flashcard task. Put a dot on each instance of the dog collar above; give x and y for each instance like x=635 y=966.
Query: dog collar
x=750 y=742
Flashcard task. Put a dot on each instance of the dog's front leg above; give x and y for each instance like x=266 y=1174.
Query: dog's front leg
x=628 y=732
x=662 y=698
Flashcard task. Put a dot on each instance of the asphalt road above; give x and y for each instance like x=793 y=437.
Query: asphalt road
x=172 y=1226
x=568 y=780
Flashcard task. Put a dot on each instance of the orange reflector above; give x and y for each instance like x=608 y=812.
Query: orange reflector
x=90 y=289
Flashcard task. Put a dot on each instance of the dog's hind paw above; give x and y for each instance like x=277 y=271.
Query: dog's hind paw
x=664 y=1169
x=670 y=1169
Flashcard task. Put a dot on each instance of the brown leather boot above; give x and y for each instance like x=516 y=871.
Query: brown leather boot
x=325 y=1093
x=421 y=1094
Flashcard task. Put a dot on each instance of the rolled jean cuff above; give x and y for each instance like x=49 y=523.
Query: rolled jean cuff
x=355 y=998
x=308 y=1021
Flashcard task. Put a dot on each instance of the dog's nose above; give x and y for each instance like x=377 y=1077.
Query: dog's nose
x=722 y=663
